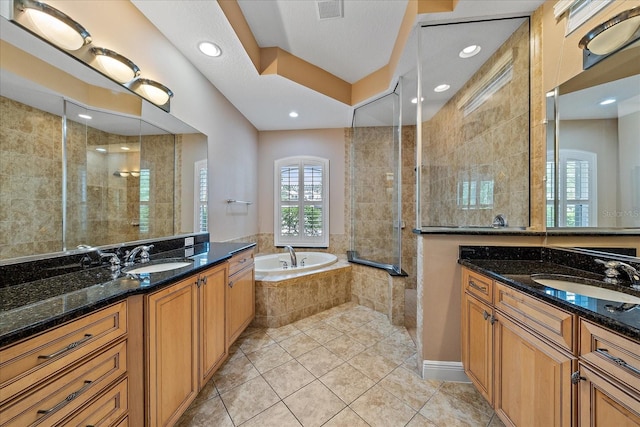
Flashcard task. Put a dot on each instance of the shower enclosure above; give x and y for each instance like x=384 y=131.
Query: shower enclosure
x=376 y=191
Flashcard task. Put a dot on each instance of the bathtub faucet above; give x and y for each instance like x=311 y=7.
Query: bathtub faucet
x=292 y=254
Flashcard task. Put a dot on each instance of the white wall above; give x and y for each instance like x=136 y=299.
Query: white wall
x=629 y=137
x=194 y=148
x=326 y=143
x=232 y=140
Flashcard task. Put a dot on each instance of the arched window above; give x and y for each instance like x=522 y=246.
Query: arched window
x=301 y=189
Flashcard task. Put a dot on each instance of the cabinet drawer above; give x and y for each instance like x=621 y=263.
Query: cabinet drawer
x=58 y=398
x=611 y=353
x=552 y=323
x=25 y=364
x=240 y=261
x=105 y=410
x=477 y=285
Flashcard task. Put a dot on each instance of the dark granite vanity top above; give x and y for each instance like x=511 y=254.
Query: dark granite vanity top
x=32 y=307
x=513 y=266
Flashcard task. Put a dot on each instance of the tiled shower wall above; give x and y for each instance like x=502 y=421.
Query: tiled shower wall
x=490 y=144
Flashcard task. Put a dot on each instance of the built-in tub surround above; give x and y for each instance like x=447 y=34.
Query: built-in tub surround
x=279 y=264
x=286 y=298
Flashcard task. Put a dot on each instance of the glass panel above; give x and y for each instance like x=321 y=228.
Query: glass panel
x=313 y=221
x=289 y=183
x=290 y=221
x=313 y=183
x=375 y=181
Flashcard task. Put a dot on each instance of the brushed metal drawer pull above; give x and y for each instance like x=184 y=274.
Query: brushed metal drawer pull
x=67 y=399
x=71 y=346
x=617 y=360
x=478 y=287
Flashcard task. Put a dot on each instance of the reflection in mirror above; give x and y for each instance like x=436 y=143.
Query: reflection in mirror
x=598 y=154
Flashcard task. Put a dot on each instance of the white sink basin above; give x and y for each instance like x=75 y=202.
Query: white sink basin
x=588 y=290
x=159 y=267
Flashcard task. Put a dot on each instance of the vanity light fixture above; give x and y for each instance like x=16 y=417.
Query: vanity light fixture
x=53 y=25
x=123 y=148
x=121 y=174
x=155 y=92
x=210 y=49
x=613 y=34
x=293 y=114
x=115 y=65
x=607 y=101
x=102 y=150
x=441 y=88
x=415 y=100
x=85 y=116
x=135 y=174
x=469 y=51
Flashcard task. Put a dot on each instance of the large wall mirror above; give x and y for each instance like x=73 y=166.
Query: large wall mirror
x=593 y=158
x=85 y=162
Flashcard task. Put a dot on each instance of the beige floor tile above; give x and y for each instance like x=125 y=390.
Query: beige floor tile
x=372 y=364
x=446 y=410
x=288 y=378
x=383 y=327
x=269 y=357
x=209 y=391
x=419 y=421
x=398 y=353
x=276 y=416
x=299 y=344
x=468 y=393
x=409 y=387
x=344 y=347
x=255 y=342
x=233 y=373
x=309 y=322
x=364 y=336
x=401 y=337
x=344 y=323
x=208 y=413
x=380 y=408
x=314 y=404
x=496 y=422
x=346 y=418
x=323 y=332
x=234 y=352
x=249 y=399
x=282 y=333
x=347 y=382
x=250 y=330
x=319 y=361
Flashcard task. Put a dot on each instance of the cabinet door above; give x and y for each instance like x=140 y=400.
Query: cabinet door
x=532 y=378
x=477 y=344
x=240 y=303
x=605 y=403
x=211 y=301
x=171 y=336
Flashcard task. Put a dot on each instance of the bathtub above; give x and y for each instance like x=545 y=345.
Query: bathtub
x=269 y=265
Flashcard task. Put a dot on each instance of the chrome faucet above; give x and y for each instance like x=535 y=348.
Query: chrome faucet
x=113 y=259
x=143 y=250
x=612 y=272
x=292 y=254
x=499 y=221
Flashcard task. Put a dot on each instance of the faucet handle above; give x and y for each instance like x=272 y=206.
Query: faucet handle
x=609 y=263
x=144 y=253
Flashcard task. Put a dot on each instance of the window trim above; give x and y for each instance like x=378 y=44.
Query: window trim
x=301 y=240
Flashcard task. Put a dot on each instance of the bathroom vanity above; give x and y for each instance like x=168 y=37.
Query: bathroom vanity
x=131 y=350
x=541 y=356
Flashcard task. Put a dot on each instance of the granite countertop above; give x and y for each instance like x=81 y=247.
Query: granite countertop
x=516 y=273
x=29 y=308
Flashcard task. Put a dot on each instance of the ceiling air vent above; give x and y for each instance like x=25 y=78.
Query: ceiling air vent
x=329 y=9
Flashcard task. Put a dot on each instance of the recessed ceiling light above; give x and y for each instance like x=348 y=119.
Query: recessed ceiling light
x=293 y=114
x=85 y=116
x=415 y=100
x=125 y=148
x=102 y=150
x=608 y=101
x=470 y=51
x=441 y=88
x=210 y=49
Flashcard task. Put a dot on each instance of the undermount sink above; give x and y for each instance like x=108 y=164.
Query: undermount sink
x=159 y=266
x=576 y=285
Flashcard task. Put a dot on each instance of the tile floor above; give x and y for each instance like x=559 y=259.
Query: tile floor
x=347 y=366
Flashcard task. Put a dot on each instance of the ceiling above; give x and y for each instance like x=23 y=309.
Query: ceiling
x=350 y=48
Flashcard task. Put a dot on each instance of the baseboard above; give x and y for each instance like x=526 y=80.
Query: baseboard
x=445 y=371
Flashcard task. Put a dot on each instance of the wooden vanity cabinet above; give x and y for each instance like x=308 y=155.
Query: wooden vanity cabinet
x=62 y=374
x=609 y=378
x=477 y=332
x=241 y=295
x=185 y=342
x=517 y=351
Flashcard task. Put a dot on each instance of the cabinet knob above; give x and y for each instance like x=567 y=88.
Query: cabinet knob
x=576 y=378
